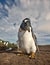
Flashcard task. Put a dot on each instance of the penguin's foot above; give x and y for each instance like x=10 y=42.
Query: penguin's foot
x=32 y=56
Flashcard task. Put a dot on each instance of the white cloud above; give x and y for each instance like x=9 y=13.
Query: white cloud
x=9 y=29
x=46 y=4
x=2 y=28
x=44 y=27
x=25 y=3
x=47 y=17
x=1 y=6
x=6 y=7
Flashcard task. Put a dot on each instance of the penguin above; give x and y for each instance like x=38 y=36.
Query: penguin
x=27 y=39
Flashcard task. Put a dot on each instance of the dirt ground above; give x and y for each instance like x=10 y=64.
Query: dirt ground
x=11 y=57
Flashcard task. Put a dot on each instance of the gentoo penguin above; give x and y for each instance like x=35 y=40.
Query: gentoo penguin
x=27 y=39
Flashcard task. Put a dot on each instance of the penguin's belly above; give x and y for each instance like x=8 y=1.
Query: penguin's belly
x=27 y=38
x=26 y=41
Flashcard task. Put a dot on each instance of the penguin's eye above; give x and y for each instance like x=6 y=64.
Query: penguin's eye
x=25 y=24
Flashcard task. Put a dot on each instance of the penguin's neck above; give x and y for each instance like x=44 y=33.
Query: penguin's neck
x=27 y=33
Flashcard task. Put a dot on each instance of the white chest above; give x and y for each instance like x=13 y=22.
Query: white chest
x=27 y=36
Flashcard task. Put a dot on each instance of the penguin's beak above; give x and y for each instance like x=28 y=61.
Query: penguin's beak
x=28 y=28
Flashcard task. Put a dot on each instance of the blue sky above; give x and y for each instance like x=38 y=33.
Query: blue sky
x=12 y=12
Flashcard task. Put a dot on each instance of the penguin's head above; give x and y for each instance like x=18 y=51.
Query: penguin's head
x=26 y=24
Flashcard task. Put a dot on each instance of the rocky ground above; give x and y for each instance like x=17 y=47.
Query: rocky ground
x=11 y=57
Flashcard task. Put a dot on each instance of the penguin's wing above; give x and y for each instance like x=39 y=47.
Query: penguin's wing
x=35 y=39
x=34 y=36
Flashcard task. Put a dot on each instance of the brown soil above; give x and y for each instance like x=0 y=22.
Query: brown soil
x=11 y=57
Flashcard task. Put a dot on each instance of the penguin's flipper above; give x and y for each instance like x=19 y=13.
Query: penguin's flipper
x=34 y=37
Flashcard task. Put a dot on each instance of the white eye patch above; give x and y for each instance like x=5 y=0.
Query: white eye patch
x=25 y=21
